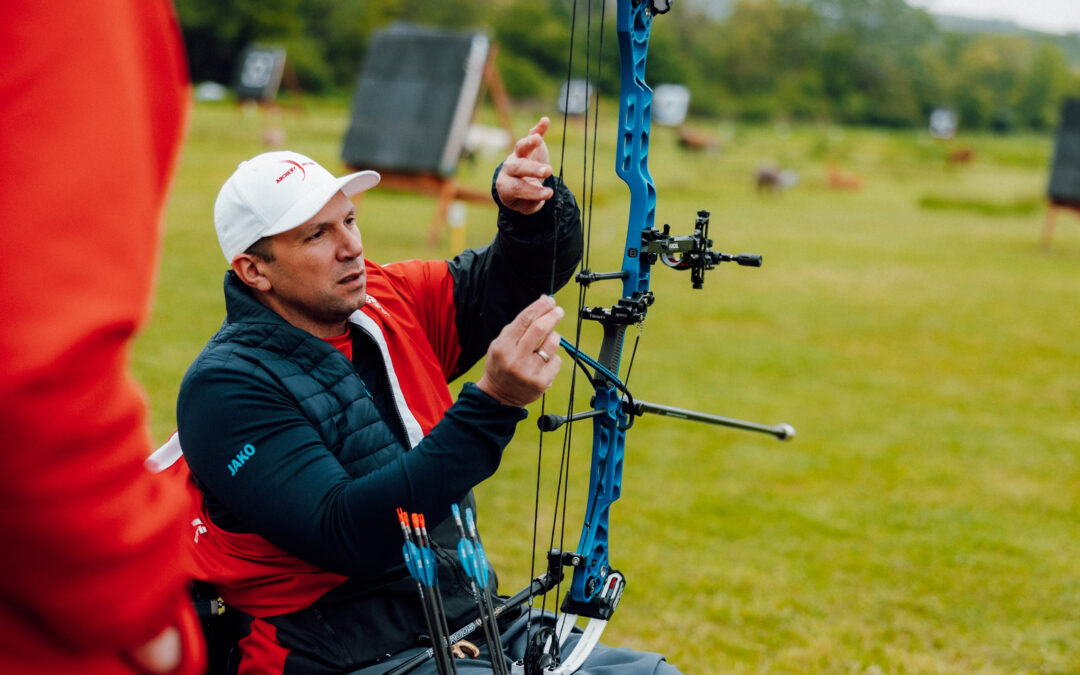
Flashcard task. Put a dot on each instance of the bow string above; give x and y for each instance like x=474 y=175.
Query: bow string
x=596 y=587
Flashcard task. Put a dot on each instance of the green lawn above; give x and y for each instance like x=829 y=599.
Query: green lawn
x=925 y=519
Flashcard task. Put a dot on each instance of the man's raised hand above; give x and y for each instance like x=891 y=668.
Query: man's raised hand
x=520 y=183
x=523 y=360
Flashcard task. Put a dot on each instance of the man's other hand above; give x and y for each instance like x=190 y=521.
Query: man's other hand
x=520 y=183
x=161 y=654
x=523 y=360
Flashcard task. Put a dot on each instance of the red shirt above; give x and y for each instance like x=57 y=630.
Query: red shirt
x=93 y=101
x=342 y=343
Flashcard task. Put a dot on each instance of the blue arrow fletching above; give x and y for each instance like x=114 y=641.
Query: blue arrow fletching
x=481 y=565
x=410 y=561
x=467 y=557
x=430 y=570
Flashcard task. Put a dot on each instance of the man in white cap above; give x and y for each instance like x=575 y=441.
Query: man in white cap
x=322 y=405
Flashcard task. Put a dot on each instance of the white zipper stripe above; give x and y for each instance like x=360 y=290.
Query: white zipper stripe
x=412 y=427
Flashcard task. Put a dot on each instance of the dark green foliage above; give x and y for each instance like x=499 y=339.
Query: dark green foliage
x=216 y=32
x=876 y=62
x=534 y=39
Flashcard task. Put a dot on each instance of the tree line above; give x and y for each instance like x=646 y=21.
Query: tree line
x=871 y=62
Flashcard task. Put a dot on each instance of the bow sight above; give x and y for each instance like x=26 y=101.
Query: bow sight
x=695 y=249
x=690 y=252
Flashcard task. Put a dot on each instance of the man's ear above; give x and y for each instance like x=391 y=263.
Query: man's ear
x=251 y=270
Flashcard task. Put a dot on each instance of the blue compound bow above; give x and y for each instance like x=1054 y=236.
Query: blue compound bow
x=596 y=587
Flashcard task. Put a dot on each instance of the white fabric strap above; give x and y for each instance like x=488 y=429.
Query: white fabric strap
x=166 y=455
x=412 y=427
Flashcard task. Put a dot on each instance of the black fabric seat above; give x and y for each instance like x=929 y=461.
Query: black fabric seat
x=222 y=626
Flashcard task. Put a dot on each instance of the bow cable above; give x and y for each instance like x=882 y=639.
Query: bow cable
x=551 y=291
x=588 y=187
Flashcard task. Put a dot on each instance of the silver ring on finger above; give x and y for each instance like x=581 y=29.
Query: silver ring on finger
x=542 y=354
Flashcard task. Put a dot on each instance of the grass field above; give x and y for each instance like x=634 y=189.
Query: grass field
x=927 y=517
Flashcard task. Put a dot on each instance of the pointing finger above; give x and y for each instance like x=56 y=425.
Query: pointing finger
x=540 y=127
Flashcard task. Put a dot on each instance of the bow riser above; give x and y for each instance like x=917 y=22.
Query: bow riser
x=609 y=428
x=596 y=588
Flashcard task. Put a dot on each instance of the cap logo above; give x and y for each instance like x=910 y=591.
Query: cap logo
x=294 y=167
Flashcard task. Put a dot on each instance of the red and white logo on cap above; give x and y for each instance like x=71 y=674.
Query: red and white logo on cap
x=293 y=168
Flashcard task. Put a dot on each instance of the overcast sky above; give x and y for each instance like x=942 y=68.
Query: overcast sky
x=1052 y=16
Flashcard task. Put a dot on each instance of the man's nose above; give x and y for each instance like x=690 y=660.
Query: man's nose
x=351 y=245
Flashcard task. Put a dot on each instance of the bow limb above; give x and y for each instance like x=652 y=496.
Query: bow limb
x=632 y=153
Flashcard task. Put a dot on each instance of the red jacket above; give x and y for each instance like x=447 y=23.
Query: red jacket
x=93 y=99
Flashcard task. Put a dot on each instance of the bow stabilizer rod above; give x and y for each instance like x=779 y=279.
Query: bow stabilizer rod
x=783 y=432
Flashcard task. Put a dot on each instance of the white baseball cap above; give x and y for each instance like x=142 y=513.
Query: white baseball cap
x=274 y=192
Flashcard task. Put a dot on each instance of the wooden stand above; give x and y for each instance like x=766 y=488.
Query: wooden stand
x=499 y=99
x=447 y=189
x=1052 y=209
